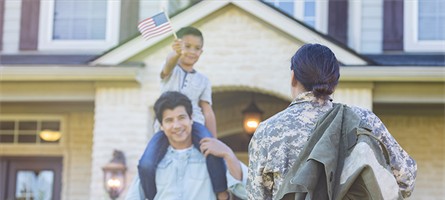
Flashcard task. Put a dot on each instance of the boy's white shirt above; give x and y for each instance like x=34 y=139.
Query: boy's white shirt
x=194 y=85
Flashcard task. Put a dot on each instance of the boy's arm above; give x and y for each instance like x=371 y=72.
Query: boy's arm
x=172 y=58
x=217 y=148
x=209 y=115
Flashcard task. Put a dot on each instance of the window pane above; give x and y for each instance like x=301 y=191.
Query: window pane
x=81 y=20
x=431 y=20
x=37 y=185
x=6 y=138
x=7 y=125
x=51 y=125
x=28 y=125
x=311 y=23
x=287 y=6
x=27 y=139
x=309 y=8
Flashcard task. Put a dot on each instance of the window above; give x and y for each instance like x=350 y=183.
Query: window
x=30 y=130
x=80 y=20
x=34 y=185
x=424 y=26
x=311 y=12
x=286 y=6
x=83 y=25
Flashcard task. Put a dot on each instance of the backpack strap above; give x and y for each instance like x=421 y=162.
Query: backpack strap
x=361 y=131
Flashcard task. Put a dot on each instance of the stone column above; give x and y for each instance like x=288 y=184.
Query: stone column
x=121 y=123
x=354 y=93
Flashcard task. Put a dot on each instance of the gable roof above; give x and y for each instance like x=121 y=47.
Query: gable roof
x=261 y=10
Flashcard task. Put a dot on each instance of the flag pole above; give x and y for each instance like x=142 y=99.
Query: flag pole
x=168 y=18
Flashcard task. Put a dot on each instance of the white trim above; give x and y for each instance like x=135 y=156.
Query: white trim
x=410 y=32
x=299 y=9
x=393 y=74
x=255 y=8
x=321 y=16
x=68 y=73
x=354 y=24
x=46 y=20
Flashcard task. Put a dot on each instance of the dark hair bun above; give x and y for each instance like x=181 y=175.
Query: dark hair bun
x=322 y=91
x=316 y=67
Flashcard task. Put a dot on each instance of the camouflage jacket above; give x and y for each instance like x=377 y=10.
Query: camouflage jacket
x=278 y=141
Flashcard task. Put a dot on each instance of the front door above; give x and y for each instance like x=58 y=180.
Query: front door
x=30 y=178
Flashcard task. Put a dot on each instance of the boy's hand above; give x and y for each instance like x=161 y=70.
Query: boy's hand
x=215 y=147
x=177 y=46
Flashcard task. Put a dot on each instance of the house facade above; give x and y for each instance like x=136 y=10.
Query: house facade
x=80 y=68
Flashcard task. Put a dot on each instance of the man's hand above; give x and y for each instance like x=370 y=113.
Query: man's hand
x=177 y=46
x=215 y=147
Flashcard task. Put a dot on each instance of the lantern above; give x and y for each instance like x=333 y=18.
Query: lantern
x=114 y=174
x=49 y=135
x=252 y=117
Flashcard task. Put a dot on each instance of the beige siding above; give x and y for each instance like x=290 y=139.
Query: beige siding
x=371 y=26
x=11 y=26
x=423 y=137
x=354 y=96
x=77 y=163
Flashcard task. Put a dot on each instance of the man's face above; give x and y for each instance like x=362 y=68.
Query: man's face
x=177 y=126
x=191 y=51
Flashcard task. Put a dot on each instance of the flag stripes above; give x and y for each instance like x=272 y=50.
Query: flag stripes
x=154 y=26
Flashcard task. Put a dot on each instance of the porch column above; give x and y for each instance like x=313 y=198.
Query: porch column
x=354 y=93
x=120 y=123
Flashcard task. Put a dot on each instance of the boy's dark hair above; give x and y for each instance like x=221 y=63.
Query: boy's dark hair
x=316 y=67
x=190 y=31
x=171 y=100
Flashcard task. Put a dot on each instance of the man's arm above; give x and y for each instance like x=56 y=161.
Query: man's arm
x=209 y=115
x=172 y=58
x=135 y=192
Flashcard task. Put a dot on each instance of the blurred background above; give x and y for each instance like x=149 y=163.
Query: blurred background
x=77 y=81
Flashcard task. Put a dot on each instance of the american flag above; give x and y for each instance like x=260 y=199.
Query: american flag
x=154 y=26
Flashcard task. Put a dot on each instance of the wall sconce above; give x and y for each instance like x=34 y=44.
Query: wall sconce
x=49 y=135
x=252 y=117
x=114 y=174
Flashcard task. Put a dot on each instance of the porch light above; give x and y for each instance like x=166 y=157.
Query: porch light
x=252 y=117
x=114 y=174
x=49 y=135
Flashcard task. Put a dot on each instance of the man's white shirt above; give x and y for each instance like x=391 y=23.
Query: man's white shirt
x=184 y=175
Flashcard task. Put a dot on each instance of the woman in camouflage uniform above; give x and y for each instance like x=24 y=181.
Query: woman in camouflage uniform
x=278 y=140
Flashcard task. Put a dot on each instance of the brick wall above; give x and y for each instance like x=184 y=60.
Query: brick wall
x=423 y=137
x=120 y=123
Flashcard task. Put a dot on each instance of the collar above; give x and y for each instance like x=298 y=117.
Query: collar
x=307 y=97
x=172 y=150
x=192 y=72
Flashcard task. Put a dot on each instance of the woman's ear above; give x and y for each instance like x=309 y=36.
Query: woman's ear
x=293 y=80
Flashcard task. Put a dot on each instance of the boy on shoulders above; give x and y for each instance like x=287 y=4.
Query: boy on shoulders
x=178 y=75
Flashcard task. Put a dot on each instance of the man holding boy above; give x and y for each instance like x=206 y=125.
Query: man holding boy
x=178 y=75
x=182 y=172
